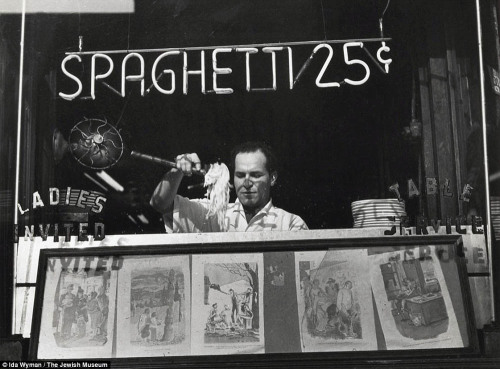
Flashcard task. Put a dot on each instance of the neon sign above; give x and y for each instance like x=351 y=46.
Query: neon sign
x=214 y=69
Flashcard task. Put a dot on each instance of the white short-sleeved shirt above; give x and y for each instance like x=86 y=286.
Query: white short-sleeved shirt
x=189 y=216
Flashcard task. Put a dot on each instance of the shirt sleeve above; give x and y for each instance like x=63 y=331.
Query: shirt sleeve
x=297 y=224
x=190 y=216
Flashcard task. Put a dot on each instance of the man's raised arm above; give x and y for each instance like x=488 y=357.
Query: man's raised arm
x=163 y=196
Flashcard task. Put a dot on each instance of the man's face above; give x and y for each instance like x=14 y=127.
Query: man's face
x=252 y=181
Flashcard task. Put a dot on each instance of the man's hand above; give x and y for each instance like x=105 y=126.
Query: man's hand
x=187 y=163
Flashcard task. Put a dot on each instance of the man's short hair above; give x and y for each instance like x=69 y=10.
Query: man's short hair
x=254 y=146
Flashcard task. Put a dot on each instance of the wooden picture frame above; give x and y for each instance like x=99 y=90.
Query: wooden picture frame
x=271 y=300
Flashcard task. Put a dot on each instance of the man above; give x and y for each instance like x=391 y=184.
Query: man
x=225 y=316
x=254 y=175
x=345 y=299
x=248 y=298
x=314 y=295
x=94 y=312
x=68 y=305
x=345 y=303
x=213 y=318
x=234 y=304
x=332 y=291
x=103 y=302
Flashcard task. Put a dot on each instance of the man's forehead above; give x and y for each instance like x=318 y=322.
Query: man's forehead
x=250 y=160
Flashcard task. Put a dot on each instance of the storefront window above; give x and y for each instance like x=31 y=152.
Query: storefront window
x=361 y=101
x=335 y=143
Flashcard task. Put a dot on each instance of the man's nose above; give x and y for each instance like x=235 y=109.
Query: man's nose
x=248 y=182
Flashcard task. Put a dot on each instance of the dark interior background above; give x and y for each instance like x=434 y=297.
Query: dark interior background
x=335 y=145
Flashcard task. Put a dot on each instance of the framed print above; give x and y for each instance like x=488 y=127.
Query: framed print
x=154 y=303
x=335 y=301
x=77 y=317
x=228 y=304
x=413 y=299
x=314 y=301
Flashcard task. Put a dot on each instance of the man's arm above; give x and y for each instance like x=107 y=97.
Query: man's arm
x=165 y=192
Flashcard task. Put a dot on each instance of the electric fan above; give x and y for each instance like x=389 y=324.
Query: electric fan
x=95 y=143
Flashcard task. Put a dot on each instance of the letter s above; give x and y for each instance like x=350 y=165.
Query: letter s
x=97 y=208
x=73 y=77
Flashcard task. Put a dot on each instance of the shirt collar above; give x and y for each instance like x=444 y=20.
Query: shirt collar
x=238 y=207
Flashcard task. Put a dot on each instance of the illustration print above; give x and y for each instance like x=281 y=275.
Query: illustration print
x=154 y=306
x=231 y=290
x=331 y=305
x=413 y=301
x=81 y=308
x=157 y=306
x=334 y=300
x=417 y=303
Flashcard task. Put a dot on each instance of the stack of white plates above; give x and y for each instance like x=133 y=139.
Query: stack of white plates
x=495 y=215
x=377 y=213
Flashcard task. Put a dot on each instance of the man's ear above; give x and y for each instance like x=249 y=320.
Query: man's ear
x=274 y=178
